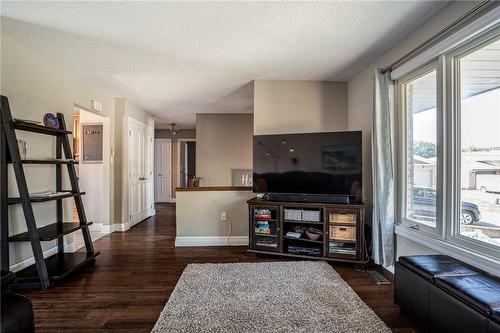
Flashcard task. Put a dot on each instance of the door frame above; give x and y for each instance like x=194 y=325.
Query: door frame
x=156 y=156
x=179 y=141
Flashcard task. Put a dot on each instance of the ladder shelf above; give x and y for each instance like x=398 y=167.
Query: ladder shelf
x=46 y=271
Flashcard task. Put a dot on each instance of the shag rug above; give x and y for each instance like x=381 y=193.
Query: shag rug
x=295 y=296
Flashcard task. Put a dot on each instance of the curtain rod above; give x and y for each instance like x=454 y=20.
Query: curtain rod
x=473 y=13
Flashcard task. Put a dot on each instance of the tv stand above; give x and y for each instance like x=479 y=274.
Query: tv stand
x=312 y=198
x=341 y=225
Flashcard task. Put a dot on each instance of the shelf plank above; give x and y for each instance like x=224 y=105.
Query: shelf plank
x=13 y=201
x=353 y=259
x=58 y=266
x=302 y=222
x=342 y=240
x=48 y=161
x=268 y=247
x=51 y=231
x=30 y=127
x=346 y=256
x=305 y=240
x=264 y=235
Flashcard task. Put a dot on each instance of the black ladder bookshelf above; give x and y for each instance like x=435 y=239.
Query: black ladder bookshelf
x=46 y=271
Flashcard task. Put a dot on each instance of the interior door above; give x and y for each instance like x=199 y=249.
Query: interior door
x=163 y=163
x=140 y=163
x=135 y=162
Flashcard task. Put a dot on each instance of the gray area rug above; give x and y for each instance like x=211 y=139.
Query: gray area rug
x=295 y=296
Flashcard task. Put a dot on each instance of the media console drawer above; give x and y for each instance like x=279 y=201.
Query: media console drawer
x=343 y=233
x=343 y=217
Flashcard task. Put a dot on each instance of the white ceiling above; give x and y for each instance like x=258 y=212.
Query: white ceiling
x=178 y=58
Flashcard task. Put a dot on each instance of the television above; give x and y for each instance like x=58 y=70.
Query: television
x=308 y=163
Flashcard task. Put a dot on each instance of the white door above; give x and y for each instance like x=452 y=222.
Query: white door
x=163 y=163
x=135 y=162
x=140 y=164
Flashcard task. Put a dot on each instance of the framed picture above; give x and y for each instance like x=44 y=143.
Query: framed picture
x=92 y=141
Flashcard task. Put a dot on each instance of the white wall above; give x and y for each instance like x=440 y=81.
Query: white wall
x=223 y=143
x=299 y=106
x=35 y=86
x=198 y=216
x=360 y=96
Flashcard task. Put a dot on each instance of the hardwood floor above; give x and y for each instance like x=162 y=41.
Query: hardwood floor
x=138 y=269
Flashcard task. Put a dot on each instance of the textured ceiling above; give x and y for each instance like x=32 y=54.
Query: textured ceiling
x=178 y=58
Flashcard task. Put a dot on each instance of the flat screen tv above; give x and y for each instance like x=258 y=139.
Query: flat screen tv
x=309 y=163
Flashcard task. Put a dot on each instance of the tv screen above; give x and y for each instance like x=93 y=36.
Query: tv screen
x=310 y=163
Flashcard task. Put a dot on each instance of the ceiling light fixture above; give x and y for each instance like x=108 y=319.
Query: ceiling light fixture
x=173 y=128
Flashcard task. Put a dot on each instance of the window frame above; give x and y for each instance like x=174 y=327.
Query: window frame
x=402 y=174
x=445 y=237
x=453 y=85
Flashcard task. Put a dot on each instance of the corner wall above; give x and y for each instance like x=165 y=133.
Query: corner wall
x=223 y=143
x=299 y=106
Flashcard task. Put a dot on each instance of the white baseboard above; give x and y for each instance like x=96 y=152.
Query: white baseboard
x=120 y=227
x=171 y=200
x=211 y=241
x=102 y=228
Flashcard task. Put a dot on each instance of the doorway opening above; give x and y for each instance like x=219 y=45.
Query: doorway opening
x=187 y=162
x=92 y=151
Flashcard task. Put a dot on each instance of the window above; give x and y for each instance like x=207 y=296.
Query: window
x=420 y=103
x=448 y=141
x=479 y=141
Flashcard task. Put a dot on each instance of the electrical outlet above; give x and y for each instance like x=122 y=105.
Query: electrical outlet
x=223 y=216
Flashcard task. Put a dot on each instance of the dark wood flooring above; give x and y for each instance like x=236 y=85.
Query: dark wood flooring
x=138 y=269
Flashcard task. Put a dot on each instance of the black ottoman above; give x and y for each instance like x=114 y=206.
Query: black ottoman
x=16 y=310
x=444 y=295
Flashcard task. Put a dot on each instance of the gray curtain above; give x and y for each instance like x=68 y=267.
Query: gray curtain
x=382 y=168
